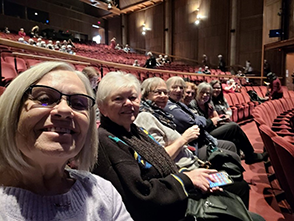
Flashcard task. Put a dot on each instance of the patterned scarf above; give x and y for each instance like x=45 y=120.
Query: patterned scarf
x=165 y=118
x=144 y=144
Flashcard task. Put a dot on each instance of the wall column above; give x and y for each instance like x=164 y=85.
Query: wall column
x=168 y=27
x=233 y=32
x=124 y=28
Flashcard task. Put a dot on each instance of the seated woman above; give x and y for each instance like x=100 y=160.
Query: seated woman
x=154 y=93
x=190 y=93
x=231 y=86
x=129 y=157
x=185 y=118
x=47 y=119
x=228 y=130
x=219 y=101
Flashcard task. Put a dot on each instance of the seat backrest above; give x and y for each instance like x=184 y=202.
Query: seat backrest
x=8 y=72
x=285 y=152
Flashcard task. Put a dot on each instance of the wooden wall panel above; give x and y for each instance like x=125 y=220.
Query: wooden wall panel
x=271 y=20
x=249 y=40
x=135 y=23
x=114 y=30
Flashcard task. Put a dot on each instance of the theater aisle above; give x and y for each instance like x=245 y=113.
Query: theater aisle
x=262 y=200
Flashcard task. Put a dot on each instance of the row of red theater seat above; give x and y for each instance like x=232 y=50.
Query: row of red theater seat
x=274 y=120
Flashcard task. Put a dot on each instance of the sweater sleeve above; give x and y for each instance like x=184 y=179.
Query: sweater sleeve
x=146 y=194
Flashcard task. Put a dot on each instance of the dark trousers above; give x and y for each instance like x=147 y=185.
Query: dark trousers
x=233 y=132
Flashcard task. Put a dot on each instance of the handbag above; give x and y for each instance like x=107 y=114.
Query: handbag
x=221 y=205
x=219 y=160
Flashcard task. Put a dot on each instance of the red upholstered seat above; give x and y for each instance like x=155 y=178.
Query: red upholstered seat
x=285 y=152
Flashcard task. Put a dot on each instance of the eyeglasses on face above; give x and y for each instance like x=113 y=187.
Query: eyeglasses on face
x=160 y=92
x=49 y=97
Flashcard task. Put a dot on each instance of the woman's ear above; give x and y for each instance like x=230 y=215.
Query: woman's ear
x=102 y=110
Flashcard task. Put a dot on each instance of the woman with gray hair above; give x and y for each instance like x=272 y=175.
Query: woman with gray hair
x=230 y=131
x=147 y=178
x=46 y=120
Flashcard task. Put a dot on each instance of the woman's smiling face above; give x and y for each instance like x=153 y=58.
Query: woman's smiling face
x=159 y=95
x=57 y=132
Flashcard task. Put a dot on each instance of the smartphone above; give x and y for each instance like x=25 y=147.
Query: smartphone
x=222 y=178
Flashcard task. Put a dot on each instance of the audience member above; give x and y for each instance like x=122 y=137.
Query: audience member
x=139 y=168
x=189 y=94
x=205 y=61
x=48 y=119
x=166 y=59
x=248 y=68
x=199 y=71
x=21 y=40
x=32 y=42
x=161 y=126
x=43 y=44
x=266 y=67
x=93 y=77
x=6 y=30
x=151 y=61
x=159 y=60
x=136 y=63
x=50 y=45
x=69 y=42
x=275 y=86
x=69 y=50
x=39 y=40
x=221 y=63
x=64 y=43
x=231 y=86
x=63 y=48
x=206 y=70
x=113 y=43
x=21 y=33
x=35 y=31
x=57 y=45
x=127 y=48
x=117 y=47
x=219 y=101
x=221 y=127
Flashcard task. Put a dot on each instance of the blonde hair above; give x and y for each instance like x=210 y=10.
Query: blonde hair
x=11 y=103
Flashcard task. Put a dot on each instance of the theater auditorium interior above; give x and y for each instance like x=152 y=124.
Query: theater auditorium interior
x=250 y=38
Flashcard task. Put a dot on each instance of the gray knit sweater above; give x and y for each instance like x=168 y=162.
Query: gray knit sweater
x=90 y=198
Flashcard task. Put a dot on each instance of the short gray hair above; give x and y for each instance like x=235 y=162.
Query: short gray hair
x=149 y=84
x=114 y=81
x=12 y=101
x=201 y=87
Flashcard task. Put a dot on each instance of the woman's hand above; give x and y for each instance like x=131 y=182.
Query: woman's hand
x=200 y=178
x=215 y=120
x=191 y=134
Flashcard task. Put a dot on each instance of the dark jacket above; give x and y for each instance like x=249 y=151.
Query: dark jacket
x=146 y=194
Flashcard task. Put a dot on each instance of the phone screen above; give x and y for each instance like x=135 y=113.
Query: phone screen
x=222 y=178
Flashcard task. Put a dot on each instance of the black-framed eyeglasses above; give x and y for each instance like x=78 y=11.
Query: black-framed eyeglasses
x=49 y=97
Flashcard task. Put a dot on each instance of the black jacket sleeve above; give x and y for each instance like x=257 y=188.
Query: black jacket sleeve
x=146 y=194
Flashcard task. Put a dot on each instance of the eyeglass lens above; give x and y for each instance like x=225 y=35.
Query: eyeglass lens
x=48 y=97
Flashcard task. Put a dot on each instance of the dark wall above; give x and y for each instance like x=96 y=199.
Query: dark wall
x=61 y=18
